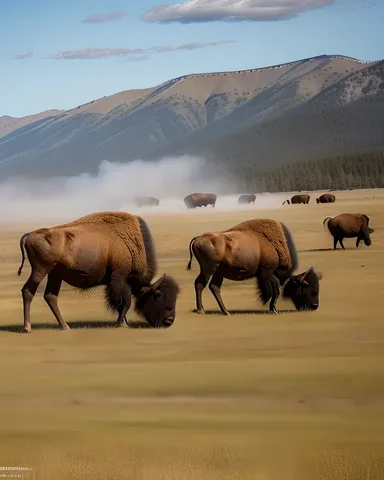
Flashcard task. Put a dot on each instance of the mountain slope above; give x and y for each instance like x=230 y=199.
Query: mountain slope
x=346 y=116
x=182 y=114
x=9 y=124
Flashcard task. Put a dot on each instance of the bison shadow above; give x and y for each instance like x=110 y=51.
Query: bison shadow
x=81 y=325
x=325 y=250
x=243 y=312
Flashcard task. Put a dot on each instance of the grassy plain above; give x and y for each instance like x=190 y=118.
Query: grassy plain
x=298 y=396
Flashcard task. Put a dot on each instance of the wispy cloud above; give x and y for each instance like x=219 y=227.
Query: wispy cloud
x=23 y=56
x=107 y=17
x=141 y=58
x=93 y=53
x=197 y=11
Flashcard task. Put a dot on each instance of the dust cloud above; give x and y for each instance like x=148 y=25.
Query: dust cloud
x=115 y=187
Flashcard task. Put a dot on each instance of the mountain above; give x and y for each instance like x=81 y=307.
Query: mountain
x=9 y=124
x=299 y=109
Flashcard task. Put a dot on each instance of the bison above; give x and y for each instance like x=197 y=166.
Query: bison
x=110 y=249
x=200 y=200
x=298 y=199
x=326 y=198
x=147 y=201
x=248 y=198
x=349 y=225
x=258 y=248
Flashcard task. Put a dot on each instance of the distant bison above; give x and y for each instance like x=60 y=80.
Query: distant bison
x=349 y=225
x=258 y=248
x=110 y=249
x=299 y=199
x=248 y=198
x=200 y=200
x=326 y=198
x=147 y=201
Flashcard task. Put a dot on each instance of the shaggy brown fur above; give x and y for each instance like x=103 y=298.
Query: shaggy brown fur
x=273 y=232
x=259 y=248
x=114 y=249
x=349 y=225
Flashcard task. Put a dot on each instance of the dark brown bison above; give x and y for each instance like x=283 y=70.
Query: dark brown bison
x=349 y=225
x=300 y=199
x=147 y=201
x=200 y=200
x=261 y=249
x=326 y=198
x=111 y=249
x=247 y=198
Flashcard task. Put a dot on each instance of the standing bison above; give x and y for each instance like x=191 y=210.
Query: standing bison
x=298 y=199
x=248 y=198
x=349 y=225
x=111 y=249
x=200 y=200
x=147 y=202
x=326 y=198
x=261 y=249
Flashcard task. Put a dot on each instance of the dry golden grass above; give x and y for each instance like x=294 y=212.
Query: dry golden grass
x=298 y=396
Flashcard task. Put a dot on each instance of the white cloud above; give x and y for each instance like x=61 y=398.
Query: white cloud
x=196 y=11
x=108 y=17
x=92 y=53
x=23 y=56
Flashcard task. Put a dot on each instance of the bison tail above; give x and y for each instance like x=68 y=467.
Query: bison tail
x=291 y=247
x=190 y=253
x=325 y=219
x=22 y=248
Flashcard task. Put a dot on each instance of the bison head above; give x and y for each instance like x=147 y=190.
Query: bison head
x=157 y=302
x=317 y=200
x=303 y=290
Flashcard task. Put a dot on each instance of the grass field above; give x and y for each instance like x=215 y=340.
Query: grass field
x=298 y=396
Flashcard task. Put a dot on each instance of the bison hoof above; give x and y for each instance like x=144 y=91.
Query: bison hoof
x=273 y=311
x=65 y=328
x=27 y=330
x=227 y=313
x=200 y=311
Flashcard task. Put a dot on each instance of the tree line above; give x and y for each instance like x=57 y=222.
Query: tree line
x=358 y=169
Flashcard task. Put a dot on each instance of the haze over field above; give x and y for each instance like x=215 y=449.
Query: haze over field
x=115 y=187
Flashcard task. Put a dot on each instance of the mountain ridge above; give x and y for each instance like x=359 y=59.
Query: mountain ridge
x=184 y=113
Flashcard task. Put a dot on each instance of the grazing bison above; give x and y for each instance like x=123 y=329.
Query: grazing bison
x=200 y=200
x=147 y=201
x=349 y=225
x=112 y=249
x=326 y=198
x=300 y=199
x=261 y=249
x=248 y=198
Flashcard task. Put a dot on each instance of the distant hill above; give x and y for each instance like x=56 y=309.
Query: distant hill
x=9 y=124
x=299 y=110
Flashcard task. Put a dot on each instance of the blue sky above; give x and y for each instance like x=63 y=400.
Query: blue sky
x=157 y=44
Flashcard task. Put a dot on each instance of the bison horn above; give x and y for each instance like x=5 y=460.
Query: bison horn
x=158 y=282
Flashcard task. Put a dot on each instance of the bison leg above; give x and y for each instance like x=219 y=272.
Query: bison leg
x=335 y=240
x=341 y=243
x=269 y=287
x=215 y=286
x=358 y=240
x=28 y=292
x=200 y=283
x=51 y=295
x=126 y=305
